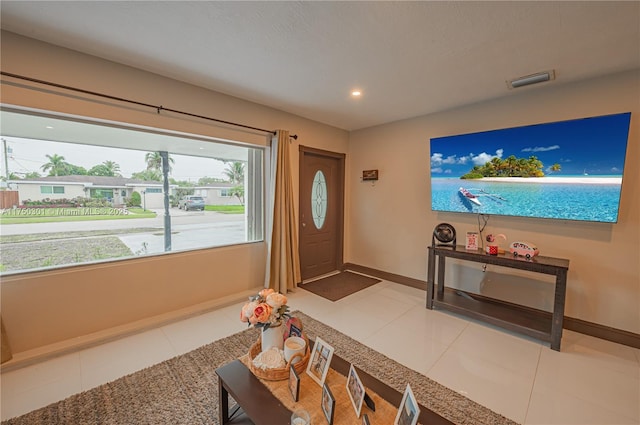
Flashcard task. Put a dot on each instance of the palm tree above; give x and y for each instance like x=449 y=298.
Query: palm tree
x=235 y=172
x=112 y=168
x=148 y=175
x=154 y=161
x=56 y=165
x=555 y=167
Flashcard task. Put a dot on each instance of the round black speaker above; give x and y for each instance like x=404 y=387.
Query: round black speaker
x=445 y=234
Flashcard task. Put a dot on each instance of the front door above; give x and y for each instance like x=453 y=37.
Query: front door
x=321 y=211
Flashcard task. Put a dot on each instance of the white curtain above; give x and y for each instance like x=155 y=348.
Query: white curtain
x=283 y=261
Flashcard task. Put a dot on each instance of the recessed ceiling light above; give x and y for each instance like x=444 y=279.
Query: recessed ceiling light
x=356 y=93
x=49 y=127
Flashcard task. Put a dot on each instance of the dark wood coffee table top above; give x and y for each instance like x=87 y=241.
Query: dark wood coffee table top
x=255 y=399
x=263 y=407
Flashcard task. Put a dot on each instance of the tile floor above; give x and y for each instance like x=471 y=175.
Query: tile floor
x=591 y=381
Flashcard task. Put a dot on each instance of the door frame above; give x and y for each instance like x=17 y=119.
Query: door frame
x=303 y=150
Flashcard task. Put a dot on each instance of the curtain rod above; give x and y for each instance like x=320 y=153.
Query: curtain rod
x=148 y=105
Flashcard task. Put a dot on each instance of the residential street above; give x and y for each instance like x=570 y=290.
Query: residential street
x=178 y=218
x=189 y=230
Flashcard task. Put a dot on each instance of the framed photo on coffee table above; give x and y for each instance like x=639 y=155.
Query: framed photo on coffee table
x=408 y=411
x=355 y=389
x=328 y=403
x=320 y=360
x=294 y=383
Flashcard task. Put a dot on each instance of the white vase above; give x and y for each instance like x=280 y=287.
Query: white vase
x=272 y=337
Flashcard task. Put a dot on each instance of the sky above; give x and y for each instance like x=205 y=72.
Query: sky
x=595 y=146
x=28 y=155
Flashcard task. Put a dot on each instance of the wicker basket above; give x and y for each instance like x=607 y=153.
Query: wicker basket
x=277 y=374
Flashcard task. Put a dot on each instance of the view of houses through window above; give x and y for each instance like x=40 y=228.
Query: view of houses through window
x=68 y=202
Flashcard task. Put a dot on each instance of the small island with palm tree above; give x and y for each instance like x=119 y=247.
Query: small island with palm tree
x=513 y=169
x=510 y=167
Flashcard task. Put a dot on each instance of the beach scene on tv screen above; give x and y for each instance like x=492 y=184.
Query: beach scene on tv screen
x=570 y=170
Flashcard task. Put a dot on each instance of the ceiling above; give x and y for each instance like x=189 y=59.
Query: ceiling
x=407 y=58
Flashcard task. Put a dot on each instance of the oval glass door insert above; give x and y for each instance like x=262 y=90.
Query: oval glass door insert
x=319 y=199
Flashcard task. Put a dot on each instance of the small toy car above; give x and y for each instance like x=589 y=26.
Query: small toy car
x=523 y=249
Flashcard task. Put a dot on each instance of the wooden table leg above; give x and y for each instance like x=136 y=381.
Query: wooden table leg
x=441 y=268
x=223 y=404
x=431 y=263
x=558 y=310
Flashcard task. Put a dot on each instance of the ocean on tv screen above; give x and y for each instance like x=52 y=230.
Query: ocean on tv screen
x=571 y=170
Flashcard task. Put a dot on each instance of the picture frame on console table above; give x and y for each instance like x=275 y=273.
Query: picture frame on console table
x=356 y=390
x=294 y=383
x=320 y=360
x=328 y=404
x=409 y=410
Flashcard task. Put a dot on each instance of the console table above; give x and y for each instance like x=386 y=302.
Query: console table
x=536 y=323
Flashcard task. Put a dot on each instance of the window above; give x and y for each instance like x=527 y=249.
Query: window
x=225 y=193
x=101 y=193
x=52 y=189
x=112 y=223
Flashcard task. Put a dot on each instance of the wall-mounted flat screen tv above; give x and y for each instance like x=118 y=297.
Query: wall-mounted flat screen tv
x=571 y=170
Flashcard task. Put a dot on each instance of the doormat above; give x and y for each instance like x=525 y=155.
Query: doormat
x=339 y=285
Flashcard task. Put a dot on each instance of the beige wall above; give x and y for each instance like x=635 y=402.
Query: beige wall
x=47 y=307
x=388 y=224
x=31 y=192
x=391 y=222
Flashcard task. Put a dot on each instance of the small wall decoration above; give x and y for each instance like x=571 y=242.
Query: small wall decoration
x=320 y=360
x=355 y=389
x=328 y=403
x=408 y=411
x=370 y=175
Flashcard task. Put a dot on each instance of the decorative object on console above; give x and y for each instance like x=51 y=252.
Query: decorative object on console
x=300 y=417
x=328 y=404
x=293 y=327
x=294 y=383
x=445 y=234
x=523 y=249
x=355 y=389
x=271 y=337
x=408 y=411
x=278 y=373
x=272 y=358
x=493 y=247
x=267 y=310
x=292 y=346
x=472 y=241
x=320 y=362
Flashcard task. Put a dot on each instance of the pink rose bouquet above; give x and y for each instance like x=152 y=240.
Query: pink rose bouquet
x=266 y=309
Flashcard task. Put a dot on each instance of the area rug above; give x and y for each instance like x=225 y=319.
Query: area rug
x=184 y=389
x=339 y=285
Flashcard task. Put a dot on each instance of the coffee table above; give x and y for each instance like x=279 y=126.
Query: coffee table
x=261 y=407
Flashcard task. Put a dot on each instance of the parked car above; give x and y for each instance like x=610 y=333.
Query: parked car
x=191 y=203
